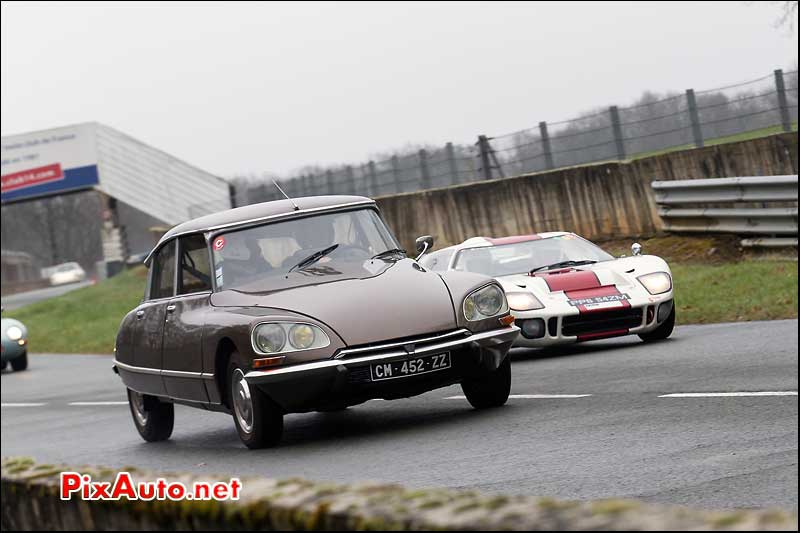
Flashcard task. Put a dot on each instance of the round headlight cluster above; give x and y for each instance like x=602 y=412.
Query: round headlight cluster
x=485 y=303
x=656 y=282
x=14 y=333
x=281 y=337
x=270 y=338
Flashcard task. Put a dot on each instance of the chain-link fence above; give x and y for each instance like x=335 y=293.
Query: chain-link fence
x=653 y=124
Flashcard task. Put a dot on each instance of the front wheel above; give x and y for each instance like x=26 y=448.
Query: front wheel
x=259 y=420
x=663 y=331
x=20 y=362
x=153 y=418
x=491 y=389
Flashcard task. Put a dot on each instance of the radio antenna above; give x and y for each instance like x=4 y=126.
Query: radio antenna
x=296 y=207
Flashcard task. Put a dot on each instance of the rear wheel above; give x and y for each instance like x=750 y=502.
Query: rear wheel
x=491 y=389
x=663 y=331
x=259 y=420
x=153 y=418
x=20 y=362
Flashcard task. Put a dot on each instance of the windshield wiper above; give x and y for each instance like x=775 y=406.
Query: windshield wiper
x=390 y=251
x=565 y=264
x=313 y=258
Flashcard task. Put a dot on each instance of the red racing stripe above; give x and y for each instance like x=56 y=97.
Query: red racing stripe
x=572 y=280
x=602 y=335
x=513 y=240
x=605 y=290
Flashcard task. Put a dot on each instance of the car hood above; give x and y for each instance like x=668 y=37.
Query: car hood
x=621 y=273
x=374 y=302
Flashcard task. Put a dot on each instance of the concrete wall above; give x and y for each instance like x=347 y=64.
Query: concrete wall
x=597 y=201
x=30 y=501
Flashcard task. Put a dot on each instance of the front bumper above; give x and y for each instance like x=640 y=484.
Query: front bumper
x=12 y=349
x=556 y=331
x=342 y=381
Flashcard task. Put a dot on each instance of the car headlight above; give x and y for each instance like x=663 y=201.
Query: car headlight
x=282 y=337
x=486 y=302
x=523 y=301
x=14 y=333
x=657 y=282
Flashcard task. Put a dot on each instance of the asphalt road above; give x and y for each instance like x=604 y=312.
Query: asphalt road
x=622 y=440
x=14 y=301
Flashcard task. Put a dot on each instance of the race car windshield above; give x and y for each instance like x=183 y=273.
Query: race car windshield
x=335 y=241
x=522 y=257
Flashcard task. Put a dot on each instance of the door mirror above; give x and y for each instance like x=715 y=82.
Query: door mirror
x=636 y=248
x=423 y=244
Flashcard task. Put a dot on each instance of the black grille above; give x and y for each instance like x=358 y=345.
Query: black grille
x=601 y=321
x=359 y=375
x=552 y=327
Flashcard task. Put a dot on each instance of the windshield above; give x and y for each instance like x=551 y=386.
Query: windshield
x=522 y=257
x=303 y=246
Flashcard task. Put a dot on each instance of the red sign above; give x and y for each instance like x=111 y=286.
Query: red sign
x=219 y=243
x=32 y=177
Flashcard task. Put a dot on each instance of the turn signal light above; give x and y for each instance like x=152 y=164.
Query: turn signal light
x=507 y=320
x=267 y=362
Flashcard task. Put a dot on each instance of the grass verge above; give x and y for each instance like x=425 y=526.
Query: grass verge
x=86 y=320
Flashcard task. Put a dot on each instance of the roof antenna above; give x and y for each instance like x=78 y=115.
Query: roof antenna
x=296 y=207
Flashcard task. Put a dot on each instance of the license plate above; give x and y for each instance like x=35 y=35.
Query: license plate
x=600 y=302
x=410 y=367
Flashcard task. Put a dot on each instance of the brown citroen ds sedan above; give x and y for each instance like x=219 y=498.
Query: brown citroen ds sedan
x=303 y=305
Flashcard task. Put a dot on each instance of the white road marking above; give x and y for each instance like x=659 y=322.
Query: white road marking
x=727 y=394
x=530 y=396
x=21 y=404
x=88 y=404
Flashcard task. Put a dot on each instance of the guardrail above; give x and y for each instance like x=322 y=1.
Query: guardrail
x=31 y=501
x=772 y=226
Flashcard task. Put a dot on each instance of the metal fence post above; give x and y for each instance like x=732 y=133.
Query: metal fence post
x=616 y=127
x=424 y=175
x=786 y=119
x=483 y=146
x=546 y=149
x=351 y=178
x=396 y=173
x=450 y=153
x=373 y=178
x=694 y=117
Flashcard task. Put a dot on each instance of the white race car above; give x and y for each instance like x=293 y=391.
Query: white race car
x=562 y=288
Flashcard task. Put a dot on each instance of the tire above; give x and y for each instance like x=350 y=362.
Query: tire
x=663 y=331
x=491 y=389
x=258 y=419
x=153 y=418
x=20 y=363
x=5 y=364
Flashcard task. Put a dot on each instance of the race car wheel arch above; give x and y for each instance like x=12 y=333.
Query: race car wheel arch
x=663 y=331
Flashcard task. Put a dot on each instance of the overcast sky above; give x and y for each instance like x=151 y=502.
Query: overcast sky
x=237 y=88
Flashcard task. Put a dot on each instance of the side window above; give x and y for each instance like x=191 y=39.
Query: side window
x=162 y=276
x=195 y=273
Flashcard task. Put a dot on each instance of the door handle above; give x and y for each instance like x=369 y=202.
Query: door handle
x=139 y=314
x=170 y=309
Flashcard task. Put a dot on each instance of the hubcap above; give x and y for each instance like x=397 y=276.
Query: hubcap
x=242 y=401
x=137 y=403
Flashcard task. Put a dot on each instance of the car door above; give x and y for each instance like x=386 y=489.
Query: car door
x=182 y=354
x=147 y=341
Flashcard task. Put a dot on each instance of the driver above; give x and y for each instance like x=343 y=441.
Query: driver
x=311 y=237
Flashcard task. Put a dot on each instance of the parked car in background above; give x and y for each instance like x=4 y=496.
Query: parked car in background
x=67 y=273
x=562 y=288
x=303 y=305
x=14 y=344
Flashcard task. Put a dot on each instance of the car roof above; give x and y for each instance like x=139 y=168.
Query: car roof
x=254 y=213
